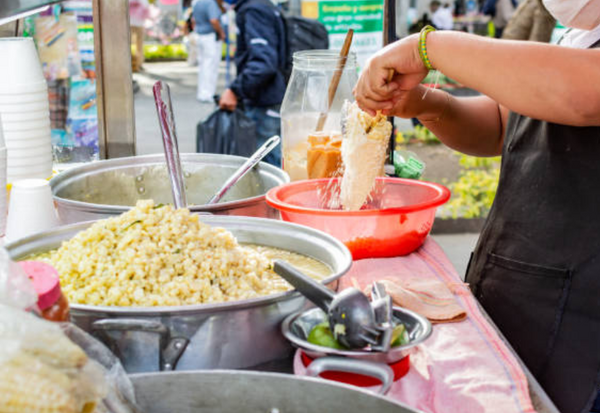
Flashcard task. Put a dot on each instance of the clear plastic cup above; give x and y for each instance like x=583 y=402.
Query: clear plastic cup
x=22 y=68
x=31 y=209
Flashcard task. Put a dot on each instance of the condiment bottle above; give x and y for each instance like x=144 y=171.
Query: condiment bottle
x=51 y=301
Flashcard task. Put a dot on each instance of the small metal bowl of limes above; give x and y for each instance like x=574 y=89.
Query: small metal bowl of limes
x=308 y=331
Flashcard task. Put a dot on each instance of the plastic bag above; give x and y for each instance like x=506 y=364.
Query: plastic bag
x=15 y=288
x=52 y=367
x=408 y=165
x=228 y=133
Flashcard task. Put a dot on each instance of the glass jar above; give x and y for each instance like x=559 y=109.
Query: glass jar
x=306 y=97
x=51 y=301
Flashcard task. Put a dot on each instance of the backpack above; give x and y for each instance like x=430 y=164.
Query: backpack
x=302 y=34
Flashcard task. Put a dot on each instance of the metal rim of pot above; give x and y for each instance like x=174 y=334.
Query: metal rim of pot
x=58 y=182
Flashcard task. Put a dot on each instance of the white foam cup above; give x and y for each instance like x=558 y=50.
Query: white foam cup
x=21 y=68
x=31 y=209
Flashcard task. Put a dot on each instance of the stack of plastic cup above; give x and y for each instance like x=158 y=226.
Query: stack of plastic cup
x=31 y=209
x=3 y=181
x=24 y=111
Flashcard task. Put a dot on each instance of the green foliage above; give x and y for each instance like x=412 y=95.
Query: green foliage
x=474 y=192
x=420 y=134
x=174 y=51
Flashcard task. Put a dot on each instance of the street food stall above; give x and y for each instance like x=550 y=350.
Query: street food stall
x=191 y=309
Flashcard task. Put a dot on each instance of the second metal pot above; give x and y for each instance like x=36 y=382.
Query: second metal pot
x=111 y=187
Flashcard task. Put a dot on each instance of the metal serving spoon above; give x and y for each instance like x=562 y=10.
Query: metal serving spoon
x=166 y=120
x=256 y=157
x=351 y=317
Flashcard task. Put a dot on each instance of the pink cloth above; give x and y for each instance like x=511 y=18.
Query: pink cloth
x=462 y=367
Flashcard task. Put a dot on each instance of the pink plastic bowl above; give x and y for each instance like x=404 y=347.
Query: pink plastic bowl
x=396 y=222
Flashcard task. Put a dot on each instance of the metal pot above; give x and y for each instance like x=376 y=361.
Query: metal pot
x=107 y=188
x=244 y=391
x=228 y=335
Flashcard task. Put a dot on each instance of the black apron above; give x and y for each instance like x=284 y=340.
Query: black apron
x=536 y=267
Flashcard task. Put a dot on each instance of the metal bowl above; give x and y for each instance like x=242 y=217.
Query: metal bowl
x=297 y=327
x=234 y=334
x=108 y=188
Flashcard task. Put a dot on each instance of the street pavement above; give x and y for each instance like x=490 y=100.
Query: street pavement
x=182 y=79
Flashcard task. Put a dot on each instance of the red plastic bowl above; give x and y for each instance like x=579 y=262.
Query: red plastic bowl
x=395 y=222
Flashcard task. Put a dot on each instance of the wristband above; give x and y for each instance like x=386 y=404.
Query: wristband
x=423 y=46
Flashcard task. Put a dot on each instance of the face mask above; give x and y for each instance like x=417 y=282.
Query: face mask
x=578 y=14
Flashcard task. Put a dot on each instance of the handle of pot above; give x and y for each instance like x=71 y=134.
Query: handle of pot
x=171 y=349
x=379 y=371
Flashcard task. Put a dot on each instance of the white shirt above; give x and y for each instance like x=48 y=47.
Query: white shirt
x=443 y=19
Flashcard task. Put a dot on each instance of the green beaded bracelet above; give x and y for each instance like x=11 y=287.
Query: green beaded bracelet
x=423 y=46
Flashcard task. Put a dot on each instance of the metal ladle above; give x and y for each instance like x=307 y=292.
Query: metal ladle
x=166 y=120
x=256 y=157
x=350 y=308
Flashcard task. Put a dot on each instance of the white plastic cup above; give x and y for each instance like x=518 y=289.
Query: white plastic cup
x=31 y=209
x=24 y=89
x=26 y=125
x=24 y=100
x=34 y=151
x=34 y=162
x=26 y=144
x=22 y=68
x=24 y=116
x=34 y=133
x=44 y=169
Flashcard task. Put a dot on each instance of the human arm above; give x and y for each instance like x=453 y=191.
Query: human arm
x=541 y=81
x=216 y=24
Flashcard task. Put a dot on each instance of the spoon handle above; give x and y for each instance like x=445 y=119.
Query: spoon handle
x=260 y=153
x=311 y=289
x=166 y=120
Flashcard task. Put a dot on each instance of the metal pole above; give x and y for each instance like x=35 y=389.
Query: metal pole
x=116 y=118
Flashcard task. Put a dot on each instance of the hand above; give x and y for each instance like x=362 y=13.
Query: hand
x=228 y=100
x=373 y=92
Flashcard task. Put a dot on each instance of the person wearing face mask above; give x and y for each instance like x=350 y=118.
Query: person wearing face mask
x=536 y=267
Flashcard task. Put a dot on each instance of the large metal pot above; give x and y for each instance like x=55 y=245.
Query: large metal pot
x=228 y=335
x=244 y=391
x=107 y=188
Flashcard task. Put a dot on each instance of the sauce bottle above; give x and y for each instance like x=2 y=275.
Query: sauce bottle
x=51 y=301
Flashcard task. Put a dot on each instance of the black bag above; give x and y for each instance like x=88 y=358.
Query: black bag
x=228 y=133
x=302 y=34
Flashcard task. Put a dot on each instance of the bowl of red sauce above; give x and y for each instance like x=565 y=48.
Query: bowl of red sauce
x=394 y=221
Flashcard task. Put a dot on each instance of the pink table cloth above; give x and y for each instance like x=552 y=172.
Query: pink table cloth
x=462 y=367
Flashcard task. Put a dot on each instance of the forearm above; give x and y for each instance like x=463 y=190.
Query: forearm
x=552 y=83
x=470 y=125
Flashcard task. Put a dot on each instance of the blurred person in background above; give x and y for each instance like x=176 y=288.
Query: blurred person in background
x=190 y=39
x=441 y=17
x=139 y=11
x=207 y=25
x=260 y=58
x=531 y=21
x=501 y=12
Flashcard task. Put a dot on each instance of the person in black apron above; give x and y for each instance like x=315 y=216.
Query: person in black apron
x=536 y=267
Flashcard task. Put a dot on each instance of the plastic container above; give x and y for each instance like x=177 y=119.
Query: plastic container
x=306 y=98
x=395 y=222
x=51 y=301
